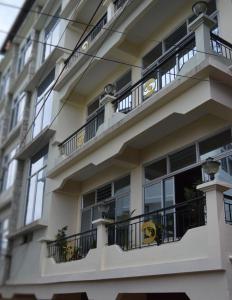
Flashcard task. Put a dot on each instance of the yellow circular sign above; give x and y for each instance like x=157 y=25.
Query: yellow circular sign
x=149 y=88
x=149 y=231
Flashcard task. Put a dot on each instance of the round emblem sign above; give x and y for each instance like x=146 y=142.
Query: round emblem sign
x=149 y=88
x=149 y=232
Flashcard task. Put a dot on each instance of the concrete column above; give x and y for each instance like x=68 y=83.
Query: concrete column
x=202 y=26
x=102 y=237
x=110 y=9
x=107 y=101
x=215 y=214
x=224 y=8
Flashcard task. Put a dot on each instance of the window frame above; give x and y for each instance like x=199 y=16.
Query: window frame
x=23 y=58
x=43 y=153
x=16 y=118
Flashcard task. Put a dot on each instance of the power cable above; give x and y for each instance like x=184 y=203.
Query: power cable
x=61 y=72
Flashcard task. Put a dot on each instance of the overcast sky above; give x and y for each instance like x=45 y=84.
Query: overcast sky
x=7 y=16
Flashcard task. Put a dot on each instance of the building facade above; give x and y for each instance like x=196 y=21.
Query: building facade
x=108 y=110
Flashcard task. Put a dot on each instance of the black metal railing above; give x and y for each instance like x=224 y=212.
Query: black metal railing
x=158 y=227
x=220 y=46
x=228 y=209
x=159 y=75
x=118 y=4
x=88 y=39
x=73 y=247
x=83 y=134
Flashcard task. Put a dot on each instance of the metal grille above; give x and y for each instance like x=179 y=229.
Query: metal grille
x=158 y=227
x=73 y=247
x=221 y=47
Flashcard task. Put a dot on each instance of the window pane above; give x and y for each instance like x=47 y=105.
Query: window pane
x=122 y=207
x=169 y=192
x=215 y=145
x=156 y=169
x=123 y=82
x=47 y=111
x=88 y=199
x=30 y=201
x=152 y=197
x=122 y=184
x=104 y=193
x=152 y=56
x=183 y=158
x=39 y=196
x=86 y=221
x=176 y=36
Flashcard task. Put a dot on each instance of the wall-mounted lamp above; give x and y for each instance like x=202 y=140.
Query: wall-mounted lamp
x=211 y=167
x=110 y=89
x=200 y=7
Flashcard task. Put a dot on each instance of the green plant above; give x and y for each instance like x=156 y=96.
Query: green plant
x=61 y=243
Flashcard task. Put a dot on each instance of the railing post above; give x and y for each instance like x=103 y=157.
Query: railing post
x=110 y=9
x=102 y=236
x=215 y=211
x=202 y=26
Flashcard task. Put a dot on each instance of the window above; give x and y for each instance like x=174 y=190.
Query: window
x=43 y=107
x=125 y=103
x=156 y=170
x=4 y=231
x=9 y=170
x=183 y=158
x=117 y=195
x=24 y=54
x=215 y=145
x=176 y=36
x=5 y=83
x=152 y=56
x=17 y=110
x=36 y=185
x=51 y=35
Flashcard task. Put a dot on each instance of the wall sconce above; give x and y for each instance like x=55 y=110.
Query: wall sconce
x=110 y=89
x=200 y=7
x=211 y=167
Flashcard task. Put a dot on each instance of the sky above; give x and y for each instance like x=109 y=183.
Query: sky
x=7 y=16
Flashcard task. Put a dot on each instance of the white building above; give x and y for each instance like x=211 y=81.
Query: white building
x=107 y=111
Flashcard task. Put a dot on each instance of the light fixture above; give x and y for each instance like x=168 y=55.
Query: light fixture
x=103 y=209
x=110 y=89
x=200 y=7
x=211 y=167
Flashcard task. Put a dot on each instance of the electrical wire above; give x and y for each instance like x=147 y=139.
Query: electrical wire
x=61 y=72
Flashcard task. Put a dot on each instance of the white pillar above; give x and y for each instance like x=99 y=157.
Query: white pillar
x=202 y=26
x=110 y=9
x=215 y=214
x=102 y=237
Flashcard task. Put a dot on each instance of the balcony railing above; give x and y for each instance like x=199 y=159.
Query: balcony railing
x=158 y=227
x=83 y=134
x=228 y=209
x=83 y=47
x=221 y=47
x=73 y=247
x=160 y=74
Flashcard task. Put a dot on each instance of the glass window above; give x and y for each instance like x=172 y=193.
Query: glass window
x=152 y=56
x=89 y=199
x=51 y=35
x=123 y=82
x=43 y=107
x=156 y=169
x=183 y=158
x=176 y=36
x=125 y=103
x=17 y=110
x=152 y=197
x=9 y=170
x=36 y=185
x=5 y=83
x=104 y=192
x=24 y=54
x=4 y=231
x=215 y=145
x=122 y=184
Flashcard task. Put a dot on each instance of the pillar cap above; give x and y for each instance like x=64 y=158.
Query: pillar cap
x=216 y=185
x=200 y=20
x=102 y=221
x=106 y=99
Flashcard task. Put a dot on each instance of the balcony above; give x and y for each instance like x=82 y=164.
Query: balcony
x=73 y=247
x=228 y=209
x=162 y=226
